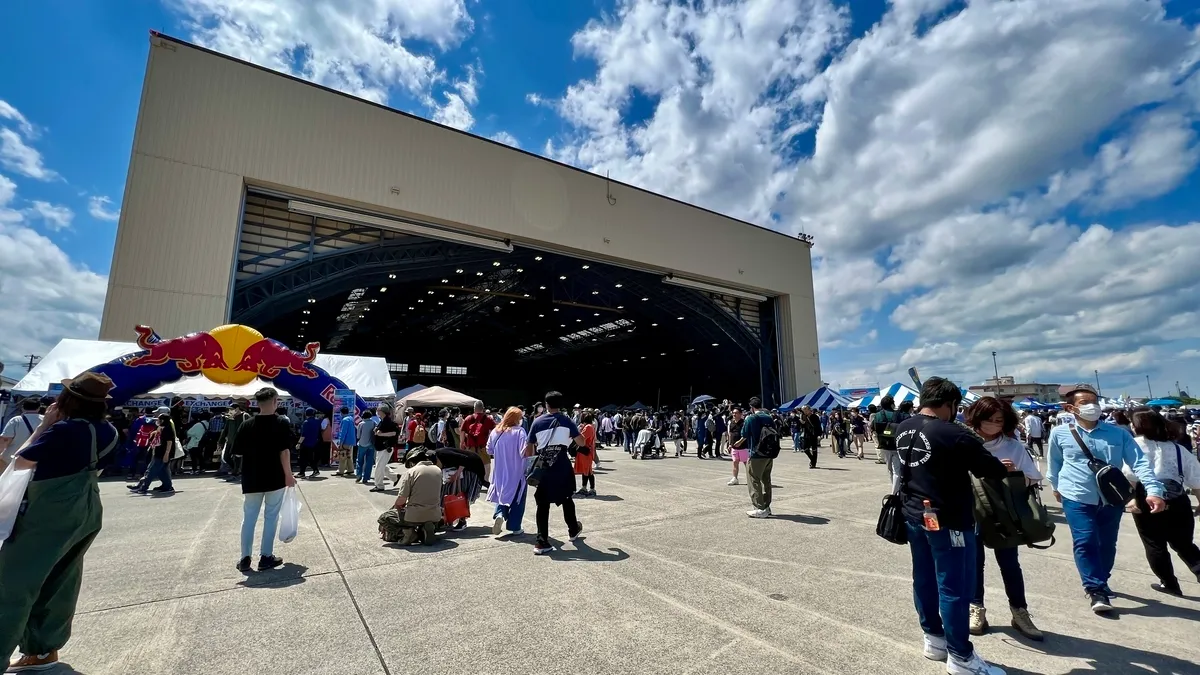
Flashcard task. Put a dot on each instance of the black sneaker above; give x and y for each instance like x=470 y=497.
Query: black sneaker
x=1168 y=589
x=267 y=562
x=1100 y=603
x=542 y=547
x=244 y=564
x=134 y=488
x=574 y=533
x=315 y=473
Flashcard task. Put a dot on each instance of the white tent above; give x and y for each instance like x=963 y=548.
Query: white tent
x=367 y=375
x=434 y=397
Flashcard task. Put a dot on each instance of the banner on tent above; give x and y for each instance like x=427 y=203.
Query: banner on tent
x=855 y=393
x=343 y=398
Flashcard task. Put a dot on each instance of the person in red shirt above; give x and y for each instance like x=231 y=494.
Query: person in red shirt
x=584 y=461
x=474 y=433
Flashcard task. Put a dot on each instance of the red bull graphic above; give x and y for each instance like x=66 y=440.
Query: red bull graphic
x=269 y=358
x=192 y=353
x=163 y=361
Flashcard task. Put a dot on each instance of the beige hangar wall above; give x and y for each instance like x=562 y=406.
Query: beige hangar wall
x=209 y=125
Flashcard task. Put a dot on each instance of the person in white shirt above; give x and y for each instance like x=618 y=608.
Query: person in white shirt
x=1034 y=433
x=19 y=429
x=195 y=437
x=1178 y=471
x=996 y=423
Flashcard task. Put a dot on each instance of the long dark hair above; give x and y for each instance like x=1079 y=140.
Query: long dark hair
x=1151 y=425
x=71 y=407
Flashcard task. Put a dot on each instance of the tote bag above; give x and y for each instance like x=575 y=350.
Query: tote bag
x=12 y=492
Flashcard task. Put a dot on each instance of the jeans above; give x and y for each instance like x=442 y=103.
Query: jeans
x=842 y=443
x=758 y=477
x=254 y=502
x=543 y=515
x=1094 y=539
x=158 y=470
x=364 y=463
x=943 y=568
x=797 y=441
x=628 y=441
x=1010 y=572
x=514 y=513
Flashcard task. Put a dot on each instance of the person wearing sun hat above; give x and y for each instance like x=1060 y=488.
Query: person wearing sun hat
x=41 y=563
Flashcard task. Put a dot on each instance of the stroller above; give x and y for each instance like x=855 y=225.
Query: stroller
x=651 y=447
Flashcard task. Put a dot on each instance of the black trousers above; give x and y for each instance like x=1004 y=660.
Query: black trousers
x=1174 y=528
x=811 y=451
x=1041 y=451
x=308 y=457
x=543 y=515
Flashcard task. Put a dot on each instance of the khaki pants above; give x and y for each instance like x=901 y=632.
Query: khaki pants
x=345 y=460
x=759 y=473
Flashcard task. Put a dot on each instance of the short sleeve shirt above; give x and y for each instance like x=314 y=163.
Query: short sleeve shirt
x=260 y=441
x=19 y=429
x=422 y=486
x=549 y=437
x=65 y=448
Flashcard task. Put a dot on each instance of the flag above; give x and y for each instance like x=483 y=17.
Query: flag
x=916 y=378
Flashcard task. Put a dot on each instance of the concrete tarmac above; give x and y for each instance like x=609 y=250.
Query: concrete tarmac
x=670 y=577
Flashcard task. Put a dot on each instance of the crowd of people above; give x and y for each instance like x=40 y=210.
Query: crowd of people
x=439 y=462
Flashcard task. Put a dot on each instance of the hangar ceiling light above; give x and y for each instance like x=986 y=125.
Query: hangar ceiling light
x=321 y=211
x=713 y=288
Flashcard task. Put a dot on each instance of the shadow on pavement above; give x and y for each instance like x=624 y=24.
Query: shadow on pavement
x=601 y=498
x=798 y=518
x=442 y=543
x=1154 y=608
x=287 y=574
x=62 y=668
x=1103 y=658
x=584 y=553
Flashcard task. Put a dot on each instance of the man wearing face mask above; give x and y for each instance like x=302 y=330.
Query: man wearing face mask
x=1094 y=523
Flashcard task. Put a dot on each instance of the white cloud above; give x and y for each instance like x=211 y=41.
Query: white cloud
x=362 y=47
x=456 y=111
x=100 y=208
x=8 y=112
x=44 y=295
x=56 y=216
x=506 y=138
x=948 y=147
x=15 y=155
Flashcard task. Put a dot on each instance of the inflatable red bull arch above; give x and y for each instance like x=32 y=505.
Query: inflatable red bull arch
x=231 y=354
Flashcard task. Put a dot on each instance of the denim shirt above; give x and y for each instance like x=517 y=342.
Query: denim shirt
x=1068 y=468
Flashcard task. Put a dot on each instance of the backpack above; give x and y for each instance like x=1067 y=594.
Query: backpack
x=885 y=431
x=1010 y=513
x=419 y=434
x=327 y=433
x=768 y=440
x=475 y=432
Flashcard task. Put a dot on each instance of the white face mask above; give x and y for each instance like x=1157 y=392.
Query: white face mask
x=1088 y=412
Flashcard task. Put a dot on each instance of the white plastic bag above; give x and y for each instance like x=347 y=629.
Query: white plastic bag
x=12 y=491
x=289 y=515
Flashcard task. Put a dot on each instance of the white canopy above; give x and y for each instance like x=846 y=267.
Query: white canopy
x=367 y=375
x=433 y=397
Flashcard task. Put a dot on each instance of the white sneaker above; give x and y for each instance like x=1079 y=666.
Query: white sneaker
x=972 y=666
x=759 y=513
x=515 y=533
x=935 y=648
x=497 y=526
x=733 y=481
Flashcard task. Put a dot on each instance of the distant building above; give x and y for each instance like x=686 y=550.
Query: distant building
x=1007 y=387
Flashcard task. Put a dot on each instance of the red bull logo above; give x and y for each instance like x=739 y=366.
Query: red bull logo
x=269 y=358
x=192 y=353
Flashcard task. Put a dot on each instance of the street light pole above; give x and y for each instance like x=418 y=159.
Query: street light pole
x=1097 y=372
x=1148 y=387
x=996 y=369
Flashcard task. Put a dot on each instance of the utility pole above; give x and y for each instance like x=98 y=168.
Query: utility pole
x=996 y=368
x=1148 y=387
x=33 y=360
x=1097 y=372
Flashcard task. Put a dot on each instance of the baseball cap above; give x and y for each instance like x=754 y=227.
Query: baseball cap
x=1068 y=389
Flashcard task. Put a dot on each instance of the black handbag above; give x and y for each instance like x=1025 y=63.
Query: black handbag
x=1113 y=486
x=537 y=468
x=891 y=524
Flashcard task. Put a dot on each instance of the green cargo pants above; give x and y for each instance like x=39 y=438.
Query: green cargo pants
x=41 y=563
x=759 y=480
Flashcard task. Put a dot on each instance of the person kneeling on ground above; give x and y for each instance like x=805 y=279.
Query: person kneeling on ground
x=420 y=501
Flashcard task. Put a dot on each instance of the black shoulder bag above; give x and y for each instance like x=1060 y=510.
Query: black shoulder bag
x=537 y=468
x=892 y=525
x=1174 y=489
x=1114 y=487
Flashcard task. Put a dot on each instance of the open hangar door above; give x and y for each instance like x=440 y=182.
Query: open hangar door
x=503 y=322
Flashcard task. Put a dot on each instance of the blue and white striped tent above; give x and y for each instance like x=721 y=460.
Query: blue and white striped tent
x=823 y=398
x=897 y=391
x=969 y=397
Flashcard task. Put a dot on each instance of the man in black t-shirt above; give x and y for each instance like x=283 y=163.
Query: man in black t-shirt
x=937 y=457
x=387 y=435
x=264 y=445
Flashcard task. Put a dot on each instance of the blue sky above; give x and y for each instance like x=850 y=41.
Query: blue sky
x=1031 y=191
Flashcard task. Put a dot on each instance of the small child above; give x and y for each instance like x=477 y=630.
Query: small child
x=584 y=458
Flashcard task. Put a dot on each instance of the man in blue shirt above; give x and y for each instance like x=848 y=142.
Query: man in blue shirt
x=364 y=462
x=550 y=437
x=347 y=443
x=1094 y=523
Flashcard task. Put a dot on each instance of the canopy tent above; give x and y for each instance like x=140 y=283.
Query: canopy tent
x=409 y=390
x=970 y=397
x=609 y=408
x=434 y=397
x=367 y=375
x=1034 y=404
x=821 y=398
x=897 y=391
x=638 y=405
x=1165 y=402
x=703 y=398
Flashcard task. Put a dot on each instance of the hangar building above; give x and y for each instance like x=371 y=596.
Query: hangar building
x=258 y=198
